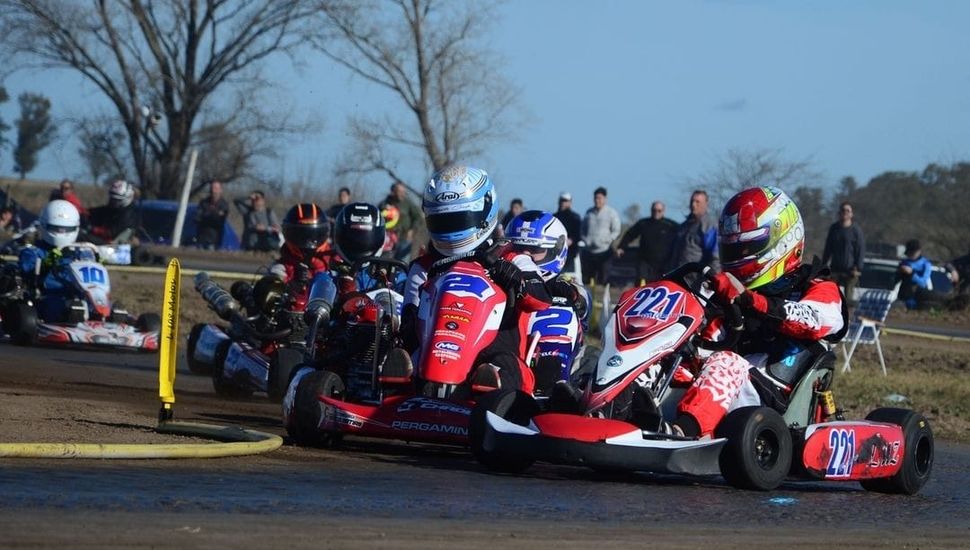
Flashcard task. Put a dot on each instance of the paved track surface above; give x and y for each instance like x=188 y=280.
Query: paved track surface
x=380 y=494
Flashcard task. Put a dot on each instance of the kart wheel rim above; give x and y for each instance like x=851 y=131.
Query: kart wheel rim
x=923 y=456
x=766 y=450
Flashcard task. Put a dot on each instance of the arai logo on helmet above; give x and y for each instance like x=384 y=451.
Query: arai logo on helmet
x=614 y=361
x=447 y=196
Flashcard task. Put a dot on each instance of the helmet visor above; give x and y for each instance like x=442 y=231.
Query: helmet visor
x=454 y=222
x=735 y=252
x=60 y=229
x=308 y=237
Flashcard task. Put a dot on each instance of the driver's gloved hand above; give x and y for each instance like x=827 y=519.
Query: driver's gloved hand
x=566 y=292
x=507 y=275
x=726 y=287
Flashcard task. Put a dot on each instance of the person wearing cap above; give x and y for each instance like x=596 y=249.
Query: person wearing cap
x=574 y=227
x=914 y=274
x=601 y=227
x=655 y=234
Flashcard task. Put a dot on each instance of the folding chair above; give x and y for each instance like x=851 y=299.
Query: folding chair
x=867 y=322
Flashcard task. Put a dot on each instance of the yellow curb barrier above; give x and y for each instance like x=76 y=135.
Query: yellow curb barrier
x=233 y=440
x=929 y=335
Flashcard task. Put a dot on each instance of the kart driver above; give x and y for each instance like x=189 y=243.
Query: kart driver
x=116 y=221
x=461 y=212
x=306 y=250
x=789 y=307
x=59 y=226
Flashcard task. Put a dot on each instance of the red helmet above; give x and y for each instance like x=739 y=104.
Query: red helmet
x=306 y=229
x=761 y=236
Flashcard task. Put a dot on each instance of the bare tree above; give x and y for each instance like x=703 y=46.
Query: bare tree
x=429 y=55
x=102 y=147
x=172 y=56
x=740 y=169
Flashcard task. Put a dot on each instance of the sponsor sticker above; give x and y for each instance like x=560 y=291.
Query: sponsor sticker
x=448 y=346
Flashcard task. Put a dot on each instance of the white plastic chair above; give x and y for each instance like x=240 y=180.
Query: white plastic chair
x=867 y=321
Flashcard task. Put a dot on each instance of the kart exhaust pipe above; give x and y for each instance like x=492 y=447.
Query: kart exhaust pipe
x=217 y=297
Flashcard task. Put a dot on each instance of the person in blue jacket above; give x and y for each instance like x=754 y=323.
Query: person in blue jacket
x=914 y=274
x=59 y=224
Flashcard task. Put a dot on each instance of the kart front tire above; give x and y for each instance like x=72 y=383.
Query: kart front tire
x=20 y=323
x=223 y=387
x=196 y=366
x=283 y=363
x=148 y=322
x=758 y=452
x=308 y=411
x=917 y=456
x=512 y=405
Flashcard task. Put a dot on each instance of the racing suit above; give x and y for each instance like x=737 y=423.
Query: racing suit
x=507 y=351
x=52 y=293
x=784 y=326
x=288 y=265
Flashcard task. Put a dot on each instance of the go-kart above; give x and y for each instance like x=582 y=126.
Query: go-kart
x=652 y=333
x=262 y=344
x=461 y=316
x=71 y=305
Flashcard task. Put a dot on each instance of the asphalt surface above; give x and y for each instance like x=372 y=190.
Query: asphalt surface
x=374 y=493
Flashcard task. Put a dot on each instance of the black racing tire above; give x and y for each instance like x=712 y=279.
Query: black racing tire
x=149 y=322
x=196 y=366
x=304 y=427
x=917 y=456
x=20 y=323
x=758 y=452
x=224 y=387
x=512 y=405
x=283 y=363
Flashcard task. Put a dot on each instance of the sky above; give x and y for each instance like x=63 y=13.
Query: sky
x=642 y=96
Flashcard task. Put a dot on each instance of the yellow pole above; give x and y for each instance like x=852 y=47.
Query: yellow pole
x=168 y=340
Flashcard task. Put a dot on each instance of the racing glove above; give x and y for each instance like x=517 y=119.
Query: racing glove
x=508 y=275
x=726 y=287
x=566 y=293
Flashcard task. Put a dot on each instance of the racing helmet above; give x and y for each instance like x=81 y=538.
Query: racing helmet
x=460 y=208
x=537 y=230
x=761 y=236
x=359 y=231
x=59 y=223
x=306 y=229
x=121 y=193
x=391 y=216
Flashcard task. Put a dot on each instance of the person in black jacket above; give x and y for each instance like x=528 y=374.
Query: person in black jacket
x=656 y=234
x=574 y=228
x=845 y=250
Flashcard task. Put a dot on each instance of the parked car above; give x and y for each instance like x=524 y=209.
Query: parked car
x=158 y=221
x=880 y=274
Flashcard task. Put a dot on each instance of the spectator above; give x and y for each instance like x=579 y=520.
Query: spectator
x=655 y=234
x=261 y=230
x=8 y=223
x=210 y=218
x=601 y=227
x=914 y=275
x=409 y=217
x=696 y=239
x=959 y=270
x=116 y=221
x=343 y=199
x=65 y=191
x=574 y=228
x=845 y=250
x=515 y=208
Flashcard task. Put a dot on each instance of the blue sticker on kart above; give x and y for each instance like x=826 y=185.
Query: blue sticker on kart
x=654 y=303
x=553 y=322
x=466 y=285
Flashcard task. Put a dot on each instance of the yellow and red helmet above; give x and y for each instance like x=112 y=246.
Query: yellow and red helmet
x=761 y=236
x=391 y=216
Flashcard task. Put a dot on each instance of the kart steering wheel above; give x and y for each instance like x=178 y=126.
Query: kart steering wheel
x=381 y=269
x=731 y=313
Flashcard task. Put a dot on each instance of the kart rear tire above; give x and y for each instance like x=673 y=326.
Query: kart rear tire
x=304 y=427
x=226 y=388
x=20 y=323
x=917 y=457
x=283 y=363
x=512 y=405
x=149 y=322
x=196 y=366
x=758 y=452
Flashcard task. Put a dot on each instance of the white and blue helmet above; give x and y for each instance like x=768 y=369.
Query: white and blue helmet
x=540 y=230
x=460 y=209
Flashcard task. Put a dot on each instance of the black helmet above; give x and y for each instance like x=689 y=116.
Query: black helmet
x=359 y=231
x=306 y=228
